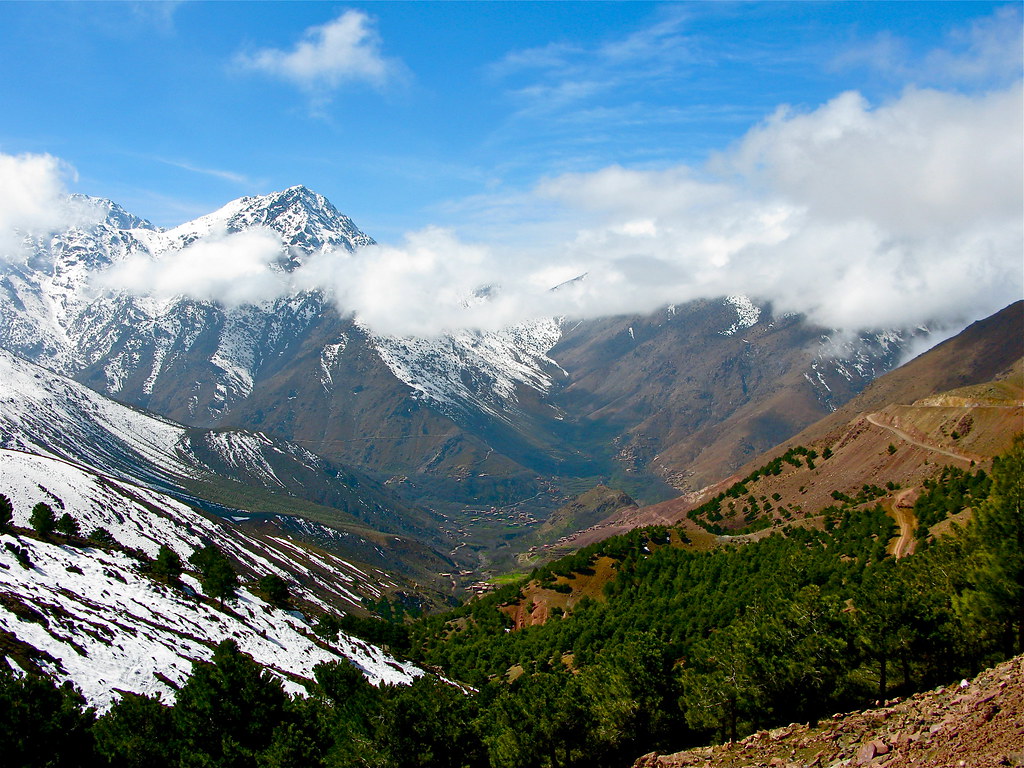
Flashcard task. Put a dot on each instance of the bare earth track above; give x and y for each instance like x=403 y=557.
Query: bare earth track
x=902 y=509
x=873 y=418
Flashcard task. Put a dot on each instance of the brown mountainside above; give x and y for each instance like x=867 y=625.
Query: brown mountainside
x=897 y=431
x=981 y=353
x=690 y=396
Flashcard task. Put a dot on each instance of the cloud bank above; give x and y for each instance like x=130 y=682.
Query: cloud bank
x=233 y=268
x=858 y=216
x=347 y=49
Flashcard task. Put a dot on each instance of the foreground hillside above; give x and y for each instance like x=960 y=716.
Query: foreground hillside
x=90 y=608
x=975 y=723
x=670 y=641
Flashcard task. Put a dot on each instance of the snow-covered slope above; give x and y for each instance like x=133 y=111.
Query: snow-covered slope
x=305 y=220
x=472 y=371
x=51 y=415
x=89 y=615
x=137 y=347
x=55 y=313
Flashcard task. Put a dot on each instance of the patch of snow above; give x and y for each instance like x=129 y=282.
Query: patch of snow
x=747 y=313
x=329 y=359
x=474 y=369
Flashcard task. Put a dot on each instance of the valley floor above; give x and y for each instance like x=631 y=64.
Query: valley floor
x=971 y=724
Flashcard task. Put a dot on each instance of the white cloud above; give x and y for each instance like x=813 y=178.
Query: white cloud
x=422 y=287
x=347 y=49
x=233 y=268
x=991 y=48
x=858 y=216
x=34 y=200
x=926 y=160
x=229 y=176
x=988 y=51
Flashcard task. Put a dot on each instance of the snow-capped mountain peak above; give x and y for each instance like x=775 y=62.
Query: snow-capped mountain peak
x=112 y=214
x=305 y=220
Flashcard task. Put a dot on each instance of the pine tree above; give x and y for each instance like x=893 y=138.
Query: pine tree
x=43 y=724
x=167 y=567
x=67 y=525
x=996 y=600
x=102 y=536
x=6 y=513
x=275 y=589
x=42 y=519
x=227 y=712
x=137 y=732
x=217 y=575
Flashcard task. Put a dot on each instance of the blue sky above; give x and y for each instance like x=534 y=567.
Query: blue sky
x=153 y=106
x=484 y=118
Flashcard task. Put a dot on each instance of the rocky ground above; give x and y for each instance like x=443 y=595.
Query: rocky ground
x=973 y=724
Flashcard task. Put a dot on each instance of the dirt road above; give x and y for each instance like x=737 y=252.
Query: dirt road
x=907 y=522
x=873 y=418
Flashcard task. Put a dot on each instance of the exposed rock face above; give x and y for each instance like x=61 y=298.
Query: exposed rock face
x=971 y=724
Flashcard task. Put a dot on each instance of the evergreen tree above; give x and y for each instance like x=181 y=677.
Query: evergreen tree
x=540 y=720
x=137 y=732
x=6 y=513
x=43 y=725
x=995 y=603
x=167 y=566
x=42 y=519
x=102 y=536
x=301 y=739
x=67 y=525
x=217 y=575
x=227 y=712
x=275 y=589
x=427 y=724
x=886 y=618
x=349 y=706
x=327 y=626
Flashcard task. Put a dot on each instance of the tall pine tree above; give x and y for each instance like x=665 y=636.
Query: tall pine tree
x=996 y=599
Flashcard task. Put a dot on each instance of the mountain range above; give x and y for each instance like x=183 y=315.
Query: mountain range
x=655 y=404
x=366 y=468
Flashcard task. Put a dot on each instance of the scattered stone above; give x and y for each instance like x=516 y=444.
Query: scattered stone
x=980 y=725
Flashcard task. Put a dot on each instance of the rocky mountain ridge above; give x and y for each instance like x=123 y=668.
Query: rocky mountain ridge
x=900 y=429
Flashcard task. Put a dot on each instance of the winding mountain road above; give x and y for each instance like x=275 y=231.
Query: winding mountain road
x=873 y=418
x=905 y=515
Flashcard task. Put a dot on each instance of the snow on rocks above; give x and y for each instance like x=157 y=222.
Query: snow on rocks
x=88 y=615
x=747 y=314
x=475 y=369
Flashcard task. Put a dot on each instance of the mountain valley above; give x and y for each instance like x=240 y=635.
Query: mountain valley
x=539 y=544
x=524 y=418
